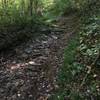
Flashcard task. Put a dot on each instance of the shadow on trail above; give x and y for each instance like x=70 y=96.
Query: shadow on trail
x=29 y=71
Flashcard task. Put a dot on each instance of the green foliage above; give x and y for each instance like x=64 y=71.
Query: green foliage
x=67 y=68
x=62 y=5
x=78 y=77
x=81 y=52
x=90 y=40
x=68 y=73
x=21 y=11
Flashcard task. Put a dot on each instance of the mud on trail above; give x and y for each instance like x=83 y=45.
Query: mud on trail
x=29 y=71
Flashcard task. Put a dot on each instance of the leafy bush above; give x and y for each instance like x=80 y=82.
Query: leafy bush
x=79 y=76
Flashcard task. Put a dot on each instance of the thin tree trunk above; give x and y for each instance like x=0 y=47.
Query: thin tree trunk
x=31 y=8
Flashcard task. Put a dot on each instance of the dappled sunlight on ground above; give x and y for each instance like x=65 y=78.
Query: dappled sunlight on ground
x=30 y=69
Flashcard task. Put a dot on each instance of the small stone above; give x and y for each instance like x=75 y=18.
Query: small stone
x=19 y=95
x=88 y=91
x=44 y=42
x=58 y=97
x=30 y=96
x=31 y=62
x=47 y=90
x=54 y=37
x=12 y=68
x=17 y=83
x=48 y=95
x=56 y=86
x=1 y=90
x=14 y=62
x=94 y=75
x=28 y=50
x=98 y=90
x=24 y=55
x=31 y=46
x=14 y=97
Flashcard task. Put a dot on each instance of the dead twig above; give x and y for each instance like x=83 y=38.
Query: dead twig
x=90 y=69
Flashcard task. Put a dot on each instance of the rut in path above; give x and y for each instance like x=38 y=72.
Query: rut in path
x=29 y=71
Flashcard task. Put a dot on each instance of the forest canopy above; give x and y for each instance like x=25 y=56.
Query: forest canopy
x=22 y=11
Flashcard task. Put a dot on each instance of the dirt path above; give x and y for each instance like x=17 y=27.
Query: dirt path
x=29 y=71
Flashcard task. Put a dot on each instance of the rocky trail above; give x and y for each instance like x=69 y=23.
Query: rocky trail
x=29 y=71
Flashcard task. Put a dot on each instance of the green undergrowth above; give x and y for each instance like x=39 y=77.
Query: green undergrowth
x=69 y=58
x=68 y=71
x=78 y=78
